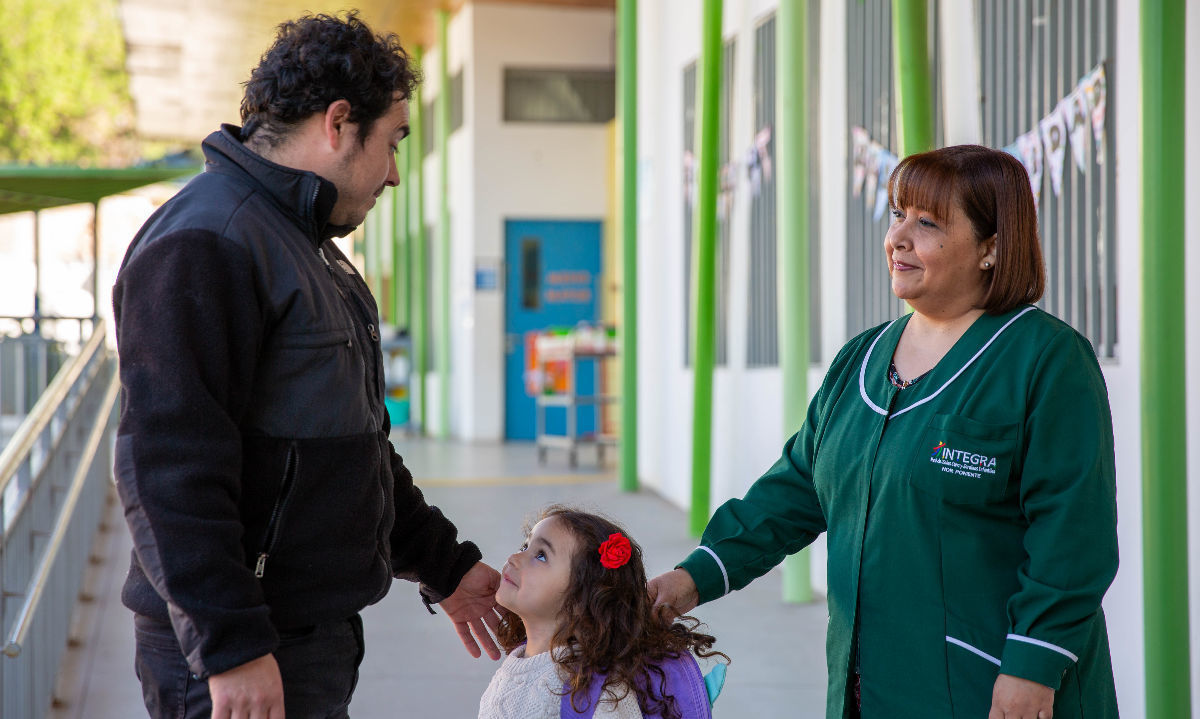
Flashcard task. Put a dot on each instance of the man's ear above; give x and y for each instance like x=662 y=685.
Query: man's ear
x=337 y=127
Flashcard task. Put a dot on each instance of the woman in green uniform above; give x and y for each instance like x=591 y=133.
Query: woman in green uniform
x=961 y=460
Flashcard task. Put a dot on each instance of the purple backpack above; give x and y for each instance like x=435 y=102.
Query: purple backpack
x=682 y=680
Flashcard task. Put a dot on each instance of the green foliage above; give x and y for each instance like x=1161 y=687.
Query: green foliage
x=64 y=90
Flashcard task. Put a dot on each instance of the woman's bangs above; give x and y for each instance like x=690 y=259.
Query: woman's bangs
x=923 y=182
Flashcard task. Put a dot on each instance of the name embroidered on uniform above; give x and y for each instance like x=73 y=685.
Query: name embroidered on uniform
x=962 y=462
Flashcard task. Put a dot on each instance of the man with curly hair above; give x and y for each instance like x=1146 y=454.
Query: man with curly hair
x=266 y=502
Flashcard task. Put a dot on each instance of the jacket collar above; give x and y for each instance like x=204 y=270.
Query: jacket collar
x=305 y=196
x=877 y=392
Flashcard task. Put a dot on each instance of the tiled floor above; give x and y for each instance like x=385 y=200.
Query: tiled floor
x=415 y=665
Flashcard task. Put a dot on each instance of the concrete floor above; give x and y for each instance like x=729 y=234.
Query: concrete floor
x=415 y=665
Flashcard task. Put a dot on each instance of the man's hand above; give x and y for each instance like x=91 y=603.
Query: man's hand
x=1017 y=698
x=253 y=690
x=674 y=594
x=473 y=609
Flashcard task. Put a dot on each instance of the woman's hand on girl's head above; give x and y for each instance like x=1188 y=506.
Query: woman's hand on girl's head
x=673 y=593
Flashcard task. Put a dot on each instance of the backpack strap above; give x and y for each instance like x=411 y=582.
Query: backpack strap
x=567 y=711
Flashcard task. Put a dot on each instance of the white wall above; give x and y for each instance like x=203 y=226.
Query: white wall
x=747 y=431
x=1123 y=603
x=561 y=170
x=748 y=428
x=461 y=193
x=960 y=78
x=1192 y=302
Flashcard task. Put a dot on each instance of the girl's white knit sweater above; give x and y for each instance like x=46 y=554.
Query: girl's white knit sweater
x=531 y=687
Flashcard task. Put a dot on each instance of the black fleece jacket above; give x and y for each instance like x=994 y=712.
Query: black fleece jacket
x=252 y=456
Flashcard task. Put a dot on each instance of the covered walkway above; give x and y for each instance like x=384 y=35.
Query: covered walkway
x=415 y=666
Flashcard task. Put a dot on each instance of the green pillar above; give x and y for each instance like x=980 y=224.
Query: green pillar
x=1164 y=443
x=416 y=244
x=364 y=246
x=375 y=238
x=627 y=97
x=37 y=270
x=792 y=222
x=914 y=75
x=704 y=281
x=95 y=259
x=399 y=236
x=443 y=142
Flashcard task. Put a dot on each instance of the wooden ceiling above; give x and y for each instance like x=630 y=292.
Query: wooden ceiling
x=188 y=58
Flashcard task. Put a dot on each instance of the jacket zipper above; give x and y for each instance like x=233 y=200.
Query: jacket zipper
x=329 y=268
x=359 y=306
x=285 y=491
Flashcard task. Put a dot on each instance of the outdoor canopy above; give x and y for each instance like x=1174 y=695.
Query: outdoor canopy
x=29 y=189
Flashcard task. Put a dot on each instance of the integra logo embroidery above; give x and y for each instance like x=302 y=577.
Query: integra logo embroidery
x=962 y=462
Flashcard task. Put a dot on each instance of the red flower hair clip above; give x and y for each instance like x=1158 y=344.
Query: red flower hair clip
x=615 y=551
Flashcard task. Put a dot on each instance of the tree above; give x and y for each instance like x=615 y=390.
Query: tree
x=64 y=90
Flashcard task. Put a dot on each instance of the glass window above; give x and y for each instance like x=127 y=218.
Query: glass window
x=559 y=95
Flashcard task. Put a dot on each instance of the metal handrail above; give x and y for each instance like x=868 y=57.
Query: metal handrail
x=37 y=584
x=42 y=412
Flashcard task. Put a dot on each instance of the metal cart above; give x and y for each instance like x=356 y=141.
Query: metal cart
x=566 y=350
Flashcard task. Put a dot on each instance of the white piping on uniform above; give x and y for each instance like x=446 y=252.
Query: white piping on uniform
x=1044 y=645
x=724 y=574
x=862 y=374
x=973 y=650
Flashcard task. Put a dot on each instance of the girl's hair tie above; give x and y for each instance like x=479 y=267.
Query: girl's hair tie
x=615 y=551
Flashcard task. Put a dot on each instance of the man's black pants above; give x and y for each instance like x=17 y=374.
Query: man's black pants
x=319 y=666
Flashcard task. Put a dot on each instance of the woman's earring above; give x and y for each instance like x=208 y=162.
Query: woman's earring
x=987 y=265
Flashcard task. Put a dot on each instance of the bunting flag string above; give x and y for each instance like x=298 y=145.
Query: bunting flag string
x=756 y=161
x=873 y=165
x=1042 y=149
x=1069 y=119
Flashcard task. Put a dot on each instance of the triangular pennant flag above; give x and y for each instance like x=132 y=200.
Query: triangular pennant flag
x=1095 y=88
x=689 y=178
x=1054 y=135
x=860 y=141
x=887 y=163
x=754 y=171
x=762 y=145
x=1074 y=110
x=1031 y=157
x=874 y=151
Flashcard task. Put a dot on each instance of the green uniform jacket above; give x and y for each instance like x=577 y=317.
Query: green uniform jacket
x=971 y=520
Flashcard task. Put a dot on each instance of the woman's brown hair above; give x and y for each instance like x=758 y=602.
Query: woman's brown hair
x=609 y=626
x=993 y=190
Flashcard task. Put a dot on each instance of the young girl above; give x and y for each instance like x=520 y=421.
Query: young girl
x=577 y=610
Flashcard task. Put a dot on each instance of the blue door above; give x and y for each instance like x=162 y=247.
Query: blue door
x=553 y=281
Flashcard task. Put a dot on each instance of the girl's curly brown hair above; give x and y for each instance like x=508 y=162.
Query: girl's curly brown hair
x=609 y=624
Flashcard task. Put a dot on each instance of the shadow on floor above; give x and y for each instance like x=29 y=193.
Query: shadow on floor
x=415 y=665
